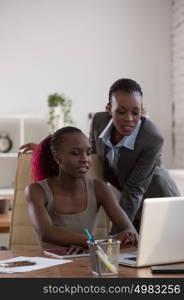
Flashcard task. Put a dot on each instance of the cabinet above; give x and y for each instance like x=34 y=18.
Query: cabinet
x=21 y=129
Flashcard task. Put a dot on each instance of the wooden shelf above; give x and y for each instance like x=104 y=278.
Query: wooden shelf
x=13 y=154
x=6 y=192
x=22 y=129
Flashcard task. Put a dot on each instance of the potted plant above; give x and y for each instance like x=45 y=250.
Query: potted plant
x=59 y=111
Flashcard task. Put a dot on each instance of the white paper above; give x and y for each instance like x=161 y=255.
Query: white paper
x=41 y=262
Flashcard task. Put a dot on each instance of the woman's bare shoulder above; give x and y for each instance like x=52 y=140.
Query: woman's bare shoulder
x=34 y=189
x=99 y=183
x=100 y=187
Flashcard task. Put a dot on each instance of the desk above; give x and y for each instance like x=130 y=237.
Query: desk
x=79 y=268
x=5 y=221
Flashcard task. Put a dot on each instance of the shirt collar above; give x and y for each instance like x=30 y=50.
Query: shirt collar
x=127 y=141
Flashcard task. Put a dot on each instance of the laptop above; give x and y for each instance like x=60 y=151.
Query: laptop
x=161 y=237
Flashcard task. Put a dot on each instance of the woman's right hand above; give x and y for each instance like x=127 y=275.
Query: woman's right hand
x=28 y=147
x=128 y=239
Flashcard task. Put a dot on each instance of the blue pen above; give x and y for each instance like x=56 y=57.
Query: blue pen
x=101 y=254
x=91 y=238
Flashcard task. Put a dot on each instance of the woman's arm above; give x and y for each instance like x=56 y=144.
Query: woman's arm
x=42 y=222
x=115 y=213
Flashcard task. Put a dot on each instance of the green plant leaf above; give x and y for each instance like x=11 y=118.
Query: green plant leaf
x=55 y=100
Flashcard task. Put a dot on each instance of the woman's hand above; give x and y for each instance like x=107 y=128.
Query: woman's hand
x=74 y=249
x=28 y=147
x=128 y=239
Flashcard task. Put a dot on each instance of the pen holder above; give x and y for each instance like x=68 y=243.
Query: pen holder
x=104 y=256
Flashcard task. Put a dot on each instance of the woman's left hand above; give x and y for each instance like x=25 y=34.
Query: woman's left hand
x=128 y=239
x=75 y=249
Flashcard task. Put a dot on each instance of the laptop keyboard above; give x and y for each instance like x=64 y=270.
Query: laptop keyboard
x=131 y=258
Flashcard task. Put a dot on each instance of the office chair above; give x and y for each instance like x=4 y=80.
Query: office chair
x=22 y=234
x=103 y=226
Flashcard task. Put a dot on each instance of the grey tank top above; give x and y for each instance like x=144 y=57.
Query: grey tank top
x=75 y=222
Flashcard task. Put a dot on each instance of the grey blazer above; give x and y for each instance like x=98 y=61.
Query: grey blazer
x=139 y=172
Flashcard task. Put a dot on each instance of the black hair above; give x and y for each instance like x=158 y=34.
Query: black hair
x=57 y=137
x=43 y=163
x=124 y=85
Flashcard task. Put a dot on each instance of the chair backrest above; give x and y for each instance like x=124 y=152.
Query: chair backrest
x=22 y=234
x=103 y=225
x=178 y=177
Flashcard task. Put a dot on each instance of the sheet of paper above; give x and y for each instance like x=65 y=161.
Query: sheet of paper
x=41 y=262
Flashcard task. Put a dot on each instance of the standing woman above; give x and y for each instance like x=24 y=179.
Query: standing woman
x=63 y=200
x=129 y=146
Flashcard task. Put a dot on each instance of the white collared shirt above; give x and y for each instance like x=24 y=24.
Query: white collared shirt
x=126 y=141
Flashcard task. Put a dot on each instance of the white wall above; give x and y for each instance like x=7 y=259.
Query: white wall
x=178 y=80
x=80 y=47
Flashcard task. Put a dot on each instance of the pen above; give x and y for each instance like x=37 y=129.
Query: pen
x=91 y=238
x=101 y=250
x=109 y=249
x=11 y=264
x=105 y=261
x=101 y=254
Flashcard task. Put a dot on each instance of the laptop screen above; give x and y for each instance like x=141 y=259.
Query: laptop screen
x=161 y=238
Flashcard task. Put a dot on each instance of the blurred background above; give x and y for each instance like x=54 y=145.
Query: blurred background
x=79 y=48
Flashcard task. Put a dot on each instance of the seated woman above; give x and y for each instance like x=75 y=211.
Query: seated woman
x=63 y=200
